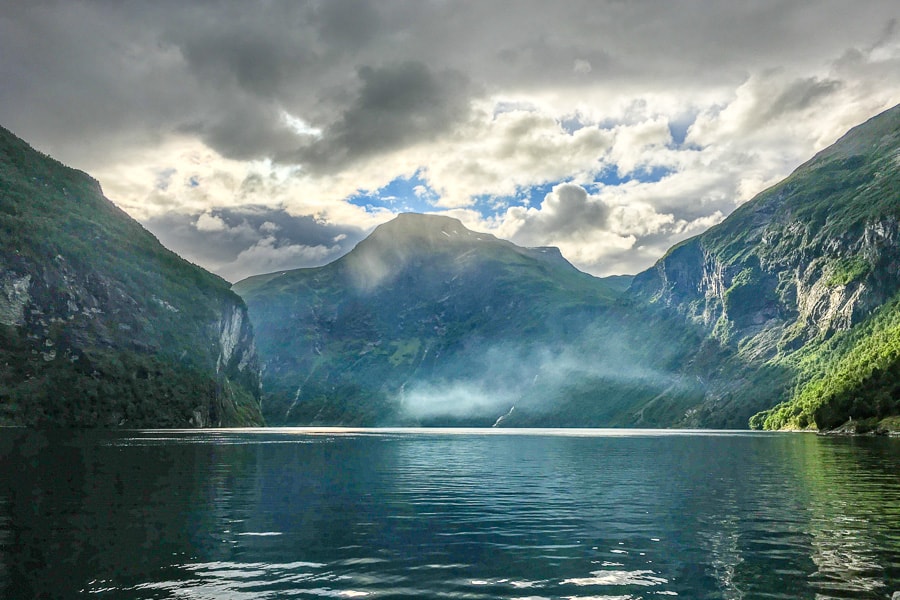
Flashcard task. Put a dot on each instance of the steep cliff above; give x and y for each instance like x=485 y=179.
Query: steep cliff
x=787 y=278
x=102 y=326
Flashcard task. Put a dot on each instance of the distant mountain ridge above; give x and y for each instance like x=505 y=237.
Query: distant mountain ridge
x=427 y=322
x=100 y=326
x=784 y=315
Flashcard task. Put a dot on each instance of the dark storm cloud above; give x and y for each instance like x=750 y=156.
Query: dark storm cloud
x=248 y=240
x=801 y=94
x=87 y=79
x=244 y=129
x=117 y=75
x=347 y=24
x=397 y=105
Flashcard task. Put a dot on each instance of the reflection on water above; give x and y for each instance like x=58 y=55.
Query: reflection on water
x=447 y=514
x=848 y=528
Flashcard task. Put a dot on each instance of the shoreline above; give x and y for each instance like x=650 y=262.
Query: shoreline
x=888 y=427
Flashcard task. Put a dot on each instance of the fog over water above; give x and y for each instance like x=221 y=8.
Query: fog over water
x=489 y=379
x=509 y=376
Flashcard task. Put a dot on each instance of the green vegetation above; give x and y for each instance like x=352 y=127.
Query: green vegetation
x=847 y=200
x=833 y=196
x=846 y=270
x=114 y=329
x=854 y=375
x=407 y=351
x=788 y=283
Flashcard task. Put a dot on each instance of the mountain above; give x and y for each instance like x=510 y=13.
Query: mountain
x=785 y=315
x=100 y=326
x=798 y=288
x=427 y=322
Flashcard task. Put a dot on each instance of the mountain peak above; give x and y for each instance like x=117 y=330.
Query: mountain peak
x=424 y=219
x=424 y=227
x=421 y=301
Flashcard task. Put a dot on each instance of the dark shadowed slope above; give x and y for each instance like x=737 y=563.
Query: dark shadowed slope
x=102 y=326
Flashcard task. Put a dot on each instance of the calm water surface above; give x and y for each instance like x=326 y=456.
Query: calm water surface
x=447 y=514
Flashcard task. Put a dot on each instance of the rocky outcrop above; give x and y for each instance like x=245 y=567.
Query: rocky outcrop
x=237 y=349
x=802 y=292
x=13 y=298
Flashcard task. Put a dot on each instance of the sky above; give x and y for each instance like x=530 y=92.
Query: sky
x=252 y=137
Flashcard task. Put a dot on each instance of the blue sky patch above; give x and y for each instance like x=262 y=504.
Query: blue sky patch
x=610 y=175
x=679 y=126
x=572 y=123
x=403 y=194
x=164 y=178
x=489 y=206
x=414 y=194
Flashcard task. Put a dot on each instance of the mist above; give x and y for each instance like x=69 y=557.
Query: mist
x=524 y=381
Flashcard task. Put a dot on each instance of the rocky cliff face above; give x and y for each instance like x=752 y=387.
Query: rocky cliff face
x=102 y=326
x=786 y=272
x=810 y=258
x=797 y=295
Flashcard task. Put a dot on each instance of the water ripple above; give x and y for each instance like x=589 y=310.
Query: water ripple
x=449 y=514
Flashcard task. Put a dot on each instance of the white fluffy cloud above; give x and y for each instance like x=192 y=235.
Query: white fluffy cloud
x=597 y=231
x=207 y=222
x=267 y=256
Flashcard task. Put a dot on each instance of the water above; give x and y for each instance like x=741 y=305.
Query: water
x=447 y=514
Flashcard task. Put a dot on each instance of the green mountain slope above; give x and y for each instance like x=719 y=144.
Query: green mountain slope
x=102 y=326
x=427 y=322
x=852 y=378
x=798 y=288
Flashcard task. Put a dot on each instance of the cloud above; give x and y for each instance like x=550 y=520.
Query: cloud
x=208 y=222
x=667 y=116
x=489 y=379
x=397 y=105
x=765 y=99
x=248 y=240
x=612 y=231
x=225 y=71
x=568 y=208
x=581 y=66
x=269 y=255
x=502 y=154
x=245 y=129
x=456 y=400
x=640 y=145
